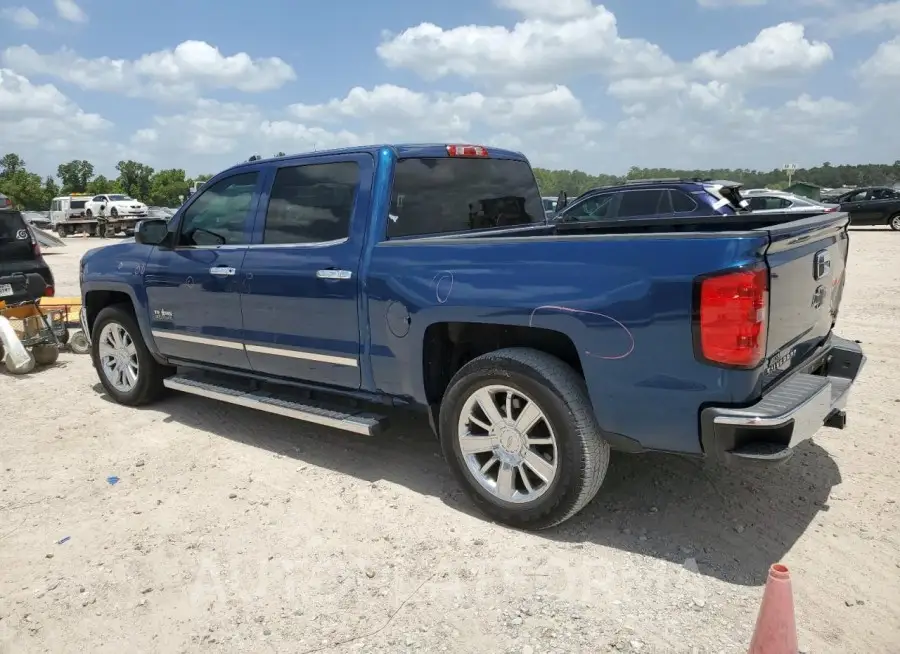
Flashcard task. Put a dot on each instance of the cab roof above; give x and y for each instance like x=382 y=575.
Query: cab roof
x=401 y=151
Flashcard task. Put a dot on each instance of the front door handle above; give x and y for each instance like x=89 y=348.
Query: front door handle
x=222 y=271
x=331 y=273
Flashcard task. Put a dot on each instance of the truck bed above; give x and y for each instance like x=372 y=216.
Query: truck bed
x=626 y=294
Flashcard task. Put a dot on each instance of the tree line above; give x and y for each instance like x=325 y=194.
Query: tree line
x=575 y=182
x=31 y=192
x=164 y=188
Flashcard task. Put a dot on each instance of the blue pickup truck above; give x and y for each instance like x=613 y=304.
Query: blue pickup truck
x=426 y=276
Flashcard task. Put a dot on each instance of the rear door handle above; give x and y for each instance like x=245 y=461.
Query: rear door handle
x=331 y=273
x=222 y=271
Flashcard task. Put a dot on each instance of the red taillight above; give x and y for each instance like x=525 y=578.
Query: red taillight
x=49 y=292
x=732 y=318
x=829 y=209
x=466 y=151
x=36 y=248
x=6 y=203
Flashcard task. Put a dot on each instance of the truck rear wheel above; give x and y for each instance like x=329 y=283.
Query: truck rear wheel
x=127 y=370
x=520 y=434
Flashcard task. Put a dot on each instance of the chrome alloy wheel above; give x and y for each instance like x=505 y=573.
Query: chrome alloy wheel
x=118 y=357
x=508 y=444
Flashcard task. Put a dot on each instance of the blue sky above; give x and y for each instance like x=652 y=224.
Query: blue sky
x=600 y=87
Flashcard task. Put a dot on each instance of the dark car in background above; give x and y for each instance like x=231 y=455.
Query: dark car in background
x=678 y=200
x=872 y=205
x=20 y=253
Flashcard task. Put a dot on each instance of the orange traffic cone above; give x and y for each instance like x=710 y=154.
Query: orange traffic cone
x=776 y=630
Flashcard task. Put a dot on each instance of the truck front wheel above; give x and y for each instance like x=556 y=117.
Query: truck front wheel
x=127 y=370
x=520 y=434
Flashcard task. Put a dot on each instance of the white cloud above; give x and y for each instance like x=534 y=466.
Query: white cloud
x=45 y=122
x=776 y=52
x=213 y=134
x=719 y=4
x=536 y=49
x=20 y=16
x=883 y=67
x=214 y=131
x=564 y=9
x=712 y=124
x=852 y=17
x=70 y=11
x=178 y=74
x=401 y=108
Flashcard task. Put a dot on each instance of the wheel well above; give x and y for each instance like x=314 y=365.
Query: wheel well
x=448 y=346
x=96 y=301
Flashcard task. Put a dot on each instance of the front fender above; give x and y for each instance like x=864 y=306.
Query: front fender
x=138 y=299
x=118 y=269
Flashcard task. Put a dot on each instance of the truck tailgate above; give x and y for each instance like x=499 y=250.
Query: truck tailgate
x=806 y=261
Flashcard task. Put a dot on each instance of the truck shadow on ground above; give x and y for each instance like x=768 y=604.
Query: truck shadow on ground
x=730 y=524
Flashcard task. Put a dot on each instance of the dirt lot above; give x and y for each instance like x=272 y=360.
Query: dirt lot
x=232 y=530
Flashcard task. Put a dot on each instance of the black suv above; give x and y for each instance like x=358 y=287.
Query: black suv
x=19 y=254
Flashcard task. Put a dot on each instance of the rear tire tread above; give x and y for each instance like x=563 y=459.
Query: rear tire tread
x=561 y=380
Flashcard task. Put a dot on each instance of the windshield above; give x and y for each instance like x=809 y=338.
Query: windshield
x=118 y=198
x=442 y=195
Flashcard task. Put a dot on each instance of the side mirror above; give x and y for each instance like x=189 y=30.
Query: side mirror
x=151 y=232
x=561 y=201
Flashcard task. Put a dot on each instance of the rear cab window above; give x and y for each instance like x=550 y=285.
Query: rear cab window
x=445 y=195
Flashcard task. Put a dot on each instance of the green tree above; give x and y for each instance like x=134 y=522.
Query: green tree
x=134 y=179
x=75 y=175
x=280 y=154
x=166 y=186
x=98 y=185
x=25 y=189
x=10 y=164
x=51 y=190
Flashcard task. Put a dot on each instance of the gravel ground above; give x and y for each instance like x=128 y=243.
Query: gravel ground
x=231 y=530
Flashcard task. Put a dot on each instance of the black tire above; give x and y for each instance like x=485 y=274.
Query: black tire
x=89 y=213
x=582 y=453
x=63 y=338
x=78 y=343
x=114 y=213
x=149 y=386
x=45 y=355
x=894 y=222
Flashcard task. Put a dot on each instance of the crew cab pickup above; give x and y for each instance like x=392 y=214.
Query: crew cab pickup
x=425 y=276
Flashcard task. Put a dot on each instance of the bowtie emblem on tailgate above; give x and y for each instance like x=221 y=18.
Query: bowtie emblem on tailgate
x=821 y=264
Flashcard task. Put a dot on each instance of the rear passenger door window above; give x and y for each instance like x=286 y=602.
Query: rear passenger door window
x=311 y=203
x=219 y=214
x=640 y=203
